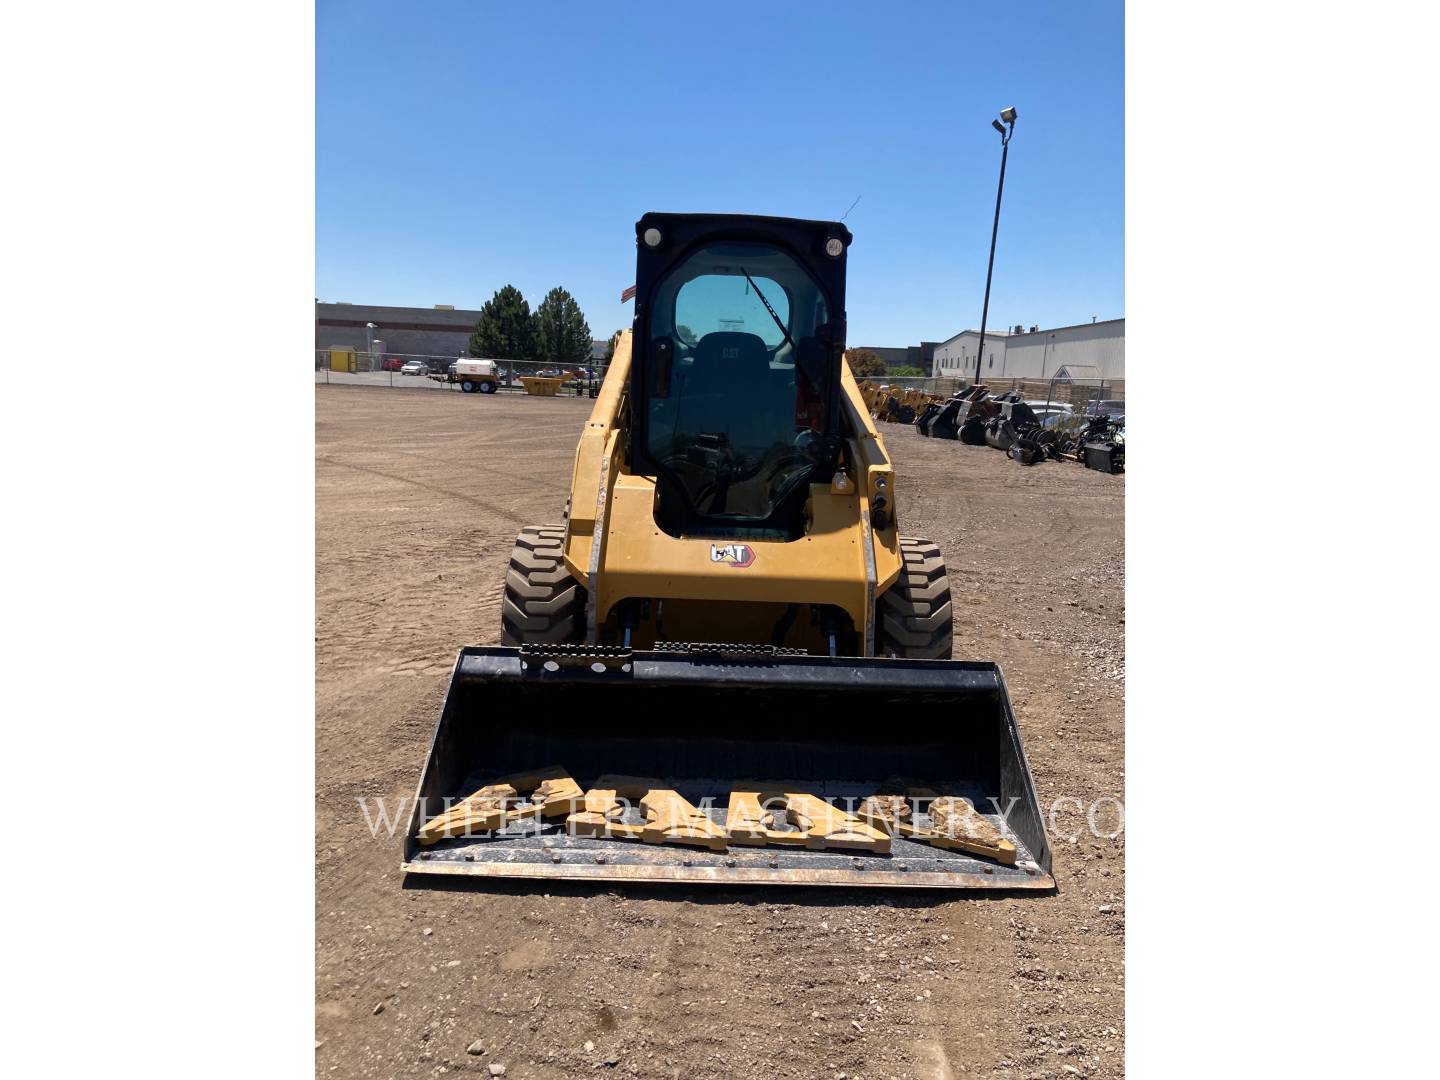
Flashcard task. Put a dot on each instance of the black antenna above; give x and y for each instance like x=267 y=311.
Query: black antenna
x=852 y=206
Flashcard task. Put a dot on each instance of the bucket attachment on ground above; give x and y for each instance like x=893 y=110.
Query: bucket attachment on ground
x=1108 y=457
x=731 y=766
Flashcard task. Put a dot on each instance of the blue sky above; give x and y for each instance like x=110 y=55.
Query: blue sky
x=461 y=146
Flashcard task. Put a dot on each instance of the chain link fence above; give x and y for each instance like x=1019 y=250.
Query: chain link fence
x=1080 y=395
x=356 y=367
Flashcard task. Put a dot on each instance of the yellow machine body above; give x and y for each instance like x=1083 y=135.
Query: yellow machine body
x=841 y=561
x=697 y=684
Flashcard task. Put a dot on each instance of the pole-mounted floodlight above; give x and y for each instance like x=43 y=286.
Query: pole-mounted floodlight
x=1008 y=115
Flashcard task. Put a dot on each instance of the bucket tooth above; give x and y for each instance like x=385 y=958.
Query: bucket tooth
x=669 y=818
x=551 y=792
x=954 y=823
x=827 y=826
x=959 y=826
x=482 y=811
x=552 y=787
x=889 y=813
x=897 y=814
x=745 y=819
x=752 y=818
x=602 y=815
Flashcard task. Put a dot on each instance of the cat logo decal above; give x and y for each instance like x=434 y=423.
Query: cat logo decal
x=737 y=555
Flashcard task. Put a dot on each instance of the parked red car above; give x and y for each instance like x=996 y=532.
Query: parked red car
x=392 y=363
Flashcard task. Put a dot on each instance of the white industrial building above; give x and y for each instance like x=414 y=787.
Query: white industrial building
x=956 y=357
x=1094 y=350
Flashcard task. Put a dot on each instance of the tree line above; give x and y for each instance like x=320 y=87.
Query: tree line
x=556 y=332
x=864 y=363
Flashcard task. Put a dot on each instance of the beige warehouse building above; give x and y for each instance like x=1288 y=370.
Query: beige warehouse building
x=1086 y=350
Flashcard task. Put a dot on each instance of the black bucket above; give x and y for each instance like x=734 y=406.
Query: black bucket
x=704 y=723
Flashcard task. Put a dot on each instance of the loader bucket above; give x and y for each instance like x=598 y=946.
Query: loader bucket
x=705 y=725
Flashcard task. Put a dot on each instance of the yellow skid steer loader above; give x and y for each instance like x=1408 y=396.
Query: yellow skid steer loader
x=727 y=664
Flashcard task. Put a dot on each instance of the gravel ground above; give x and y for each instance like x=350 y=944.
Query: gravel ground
x=418 y=499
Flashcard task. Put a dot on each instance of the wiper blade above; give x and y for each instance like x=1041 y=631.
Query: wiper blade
x=770 y=309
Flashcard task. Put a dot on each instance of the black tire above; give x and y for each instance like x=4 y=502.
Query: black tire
x=487 y=387
x=913 y=619
x=467 y=387
x=543 y=604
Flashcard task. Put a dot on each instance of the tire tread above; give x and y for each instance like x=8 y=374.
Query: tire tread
x=915 y=619
x=543 y=604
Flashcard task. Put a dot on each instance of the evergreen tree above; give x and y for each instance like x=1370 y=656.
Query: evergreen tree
x=506 y=329
x=561 y=330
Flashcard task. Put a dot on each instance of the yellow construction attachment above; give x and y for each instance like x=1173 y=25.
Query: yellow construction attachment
x=548 y=793
x=751 y=820
x=955 y=824
x=870 y=395
x=542 y=387
x=669 y=818
x=959 y=826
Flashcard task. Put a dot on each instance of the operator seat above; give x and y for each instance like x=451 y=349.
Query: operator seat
x=729 y=360
x=728 y=389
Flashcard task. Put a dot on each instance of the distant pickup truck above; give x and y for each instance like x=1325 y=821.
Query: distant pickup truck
x=474 y=376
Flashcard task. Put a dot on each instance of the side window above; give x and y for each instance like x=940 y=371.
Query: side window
x=726 y=303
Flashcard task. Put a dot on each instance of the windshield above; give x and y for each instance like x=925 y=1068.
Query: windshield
x=733 y=419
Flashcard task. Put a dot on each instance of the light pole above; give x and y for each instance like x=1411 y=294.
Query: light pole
x=1008 y=115
x=370 y=346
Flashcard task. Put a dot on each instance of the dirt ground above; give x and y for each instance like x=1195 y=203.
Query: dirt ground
x=418 y=499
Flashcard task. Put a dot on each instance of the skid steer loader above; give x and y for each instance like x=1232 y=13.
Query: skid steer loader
x=727 y=664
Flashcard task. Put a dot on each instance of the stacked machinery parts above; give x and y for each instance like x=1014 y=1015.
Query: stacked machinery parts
x=1101 y=446
x=963 y=417
x=1007 y=423
x=895 y=404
